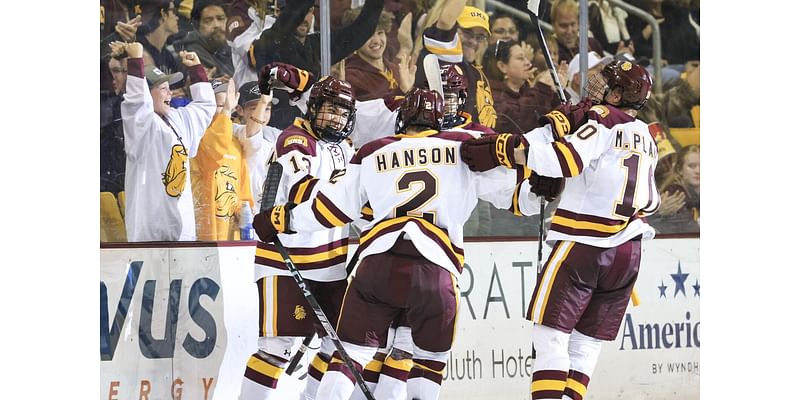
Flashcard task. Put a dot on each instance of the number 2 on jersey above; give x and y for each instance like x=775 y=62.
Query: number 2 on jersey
x=420 y=198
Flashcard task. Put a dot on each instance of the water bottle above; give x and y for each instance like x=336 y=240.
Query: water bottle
x=246 y=230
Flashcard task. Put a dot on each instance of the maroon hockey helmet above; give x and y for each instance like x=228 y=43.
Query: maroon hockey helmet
x=454 y=85
x=421 y=107
x=339 y=93
x=634 y=80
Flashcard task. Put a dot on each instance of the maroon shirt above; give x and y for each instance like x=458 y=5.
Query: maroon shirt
x=370 y=83
x=519 y=112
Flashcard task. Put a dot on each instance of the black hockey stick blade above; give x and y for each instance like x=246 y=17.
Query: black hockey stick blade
x=271 y=182
x=300 y=353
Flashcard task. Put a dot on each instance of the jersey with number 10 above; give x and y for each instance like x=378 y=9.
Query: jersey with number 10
x=609 y=163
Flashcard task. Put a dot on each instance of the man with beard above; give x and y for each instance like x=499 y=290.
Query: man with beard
x=208 y=39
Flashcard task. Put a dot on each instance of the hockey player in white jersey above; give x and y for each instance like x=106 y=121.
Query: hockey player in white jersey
x=582 y=292
x=389 y=370
x=311 y=151
x=421 y=193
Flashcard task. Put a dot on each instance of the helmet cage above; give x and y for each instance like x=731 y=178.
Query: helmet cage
x=338 y=94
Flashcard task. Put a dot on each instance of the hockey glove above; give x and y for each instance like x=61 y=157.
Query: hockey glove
x=272 y=221
x=545 y=186
x=487 y=152
x=566 y=117
x=285 y=77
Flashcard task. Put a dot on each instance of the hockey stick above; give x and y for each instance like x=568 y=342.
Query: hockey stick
x=351 y=265
x=533 y=12
x=433 y=74
x=271 y=190
x=300 y=353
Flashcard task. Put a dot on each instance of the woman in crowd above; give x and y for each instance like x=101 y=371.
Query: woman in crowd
x=680 y=194
x=519 y=102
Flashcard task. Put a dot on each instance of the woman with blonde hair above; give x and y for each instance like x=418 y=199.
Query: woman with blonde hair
x=680 y=195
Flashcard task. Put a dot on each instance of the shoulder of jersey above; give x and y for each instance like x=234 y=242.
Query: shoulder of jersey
x=371 y=147
x=459 y=134
x=608 y=116
x=294 y=138
x=478 y=128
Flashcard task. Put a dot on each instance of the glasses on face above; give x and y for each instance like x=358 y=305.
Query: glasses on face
x=480 y=37
x=503 y=31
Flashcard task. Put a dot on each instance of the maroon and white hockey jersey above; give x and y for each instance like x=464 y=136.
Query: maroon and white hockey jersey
x=307 y=162
x=417 y=187
x=609 y=162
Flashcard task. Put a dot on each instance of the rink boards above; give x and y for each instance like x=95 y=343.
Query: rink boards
x=180 y=322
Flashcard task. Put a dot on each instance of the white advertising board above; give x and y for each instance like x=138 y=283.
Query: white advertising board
x=180 y=323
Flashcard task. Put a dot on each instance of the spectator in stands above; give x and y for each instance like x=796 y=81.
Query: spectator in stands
x=159 y=141
x=112 y=141
x=256 y=137
x=220 y=179
x=538 y=53
x=159 y=22
x=247 y=20
x=115 y=25
x=119 y=20
x=679 y=25
x=299 y=47
x=683 y=94
x=208 y=37
x=518 y=103
x=503 y=27
x=682 y=187
x=595 y=64
x=469 y=28
x=608 y=24
x=564 y=15
x=370 y=73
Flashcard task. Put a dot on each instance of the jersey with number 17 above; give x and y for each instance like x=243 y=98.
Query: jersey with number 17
x=609 y=164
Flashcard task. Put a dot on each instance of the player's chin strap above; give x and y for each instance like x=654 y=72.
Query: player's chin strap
x=271 y=190
x=533 y=12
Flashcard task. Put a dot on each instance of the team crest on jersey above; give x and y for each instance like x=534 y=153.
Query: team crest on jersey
x=295 y=139
x=174 y=176
x=602 y=111
x=226 y=197
x=299 y=312
x=626 y=66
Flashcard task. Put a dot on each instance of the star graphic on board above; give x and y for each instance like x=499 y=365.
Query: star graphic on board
x=696 y=288
x=680 y=279
x=662 y=289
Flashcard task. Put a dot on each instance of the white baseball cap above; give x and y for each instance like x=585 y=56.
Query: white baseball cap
x=594 y=59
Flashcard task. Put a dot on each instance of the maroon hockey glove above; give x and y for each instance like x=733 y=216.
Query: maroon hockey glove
x=566 y=117
x=545 y=186
x=487 y=152
x=284 y=76
x=272 y=221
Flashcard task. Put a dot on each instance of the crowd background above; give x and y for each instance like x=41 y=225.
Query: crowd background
x=376 y=45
